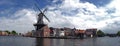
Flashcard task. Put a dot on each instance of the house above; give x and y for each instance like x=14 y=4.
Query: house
x=68 y=31
x=4 y=33
x=0 y=33
x=51 y=31
x=28 y=34
x=91 y=32
x=58 y=32
x=80 y=33
x=62 y=32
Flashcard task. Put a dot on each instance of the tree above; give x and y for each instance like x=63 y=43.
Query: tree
x=118 y=33
x=14 y=32
x=100 y=33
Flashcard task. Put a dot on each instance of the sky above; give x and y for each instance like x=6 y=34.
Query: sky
x=20 y=15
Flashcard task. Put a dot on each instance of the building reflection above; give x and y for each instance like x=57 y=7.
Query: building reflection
x=54 y=42
x=58 y=42
x=39 y=42
x=42 y=42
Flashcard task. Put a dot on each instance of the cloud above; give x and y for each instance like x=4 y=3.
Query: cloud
x=68 y=13
x=21 y=21
x=86 y=15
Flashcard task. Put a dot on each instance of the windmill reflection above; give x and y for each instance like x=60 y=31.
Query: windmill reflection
x=43 y=42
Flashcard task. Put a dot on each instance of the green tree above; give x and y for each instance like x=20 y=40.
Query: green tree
x=14 y=32
x=100 y=33
x=118 y=33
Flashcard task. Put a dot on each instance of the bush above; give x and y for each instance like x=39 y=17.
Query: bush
x=100 y=33
x=118 y=33
x=14 y=32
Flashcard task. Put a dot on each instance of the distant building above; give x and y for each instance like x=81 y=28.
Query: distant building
x=33 y=32
x=55 y=32
x=28 y=34
x=0 y=33
x=80 y=33
x=68 y=31
x=91 y=32
x=73 y=31
x=4 y=33
x=62 y=32
x=51 y=31
x=58 y=32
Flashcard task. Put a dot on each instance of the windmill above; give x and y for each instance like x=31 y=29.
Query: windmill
x=40 y=23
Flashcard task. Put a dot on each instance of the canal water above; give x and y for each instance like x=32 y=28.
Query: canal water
x=27 y=41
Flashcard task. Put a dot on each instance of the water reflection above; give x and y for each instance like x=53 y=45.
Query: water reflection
x=42 y=42
x=105 y=41
x=39 y=42
x=54 y=42
x=66 y=42
x=27 y=41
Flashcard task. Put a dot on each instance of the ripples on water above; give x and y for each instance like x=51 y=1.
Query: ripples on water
x=16 y=41
x=27 y=41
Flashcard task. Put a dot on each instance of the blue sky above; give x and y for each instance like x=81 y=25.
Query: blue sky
x=20 y=15
x=98 y=2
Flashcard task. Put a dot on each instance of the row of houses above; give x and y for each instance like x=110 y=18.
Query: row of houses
x=3 y=33
x=64 y=32
x=61 y=32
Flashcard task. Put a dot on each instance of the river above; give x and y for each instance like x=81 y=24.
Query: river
x=27 y=41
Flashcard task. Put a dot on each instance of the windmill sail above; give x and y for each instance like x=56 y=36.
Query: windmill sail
x=41 y=14
x=40 y=23
x=46 y=18
x=44 y=10
x=37 y=7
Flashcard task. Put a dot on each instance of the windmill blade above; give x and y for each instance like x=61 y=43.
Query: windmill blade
x=45 y=10
x=46 y=18
x=37 y=7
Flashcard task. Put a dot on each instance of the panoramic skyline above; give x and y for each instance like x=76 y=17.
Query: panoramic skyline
x=20 y=15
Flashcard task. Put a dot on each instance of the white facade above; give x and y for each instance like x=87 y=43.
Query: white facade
x=62 y=33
